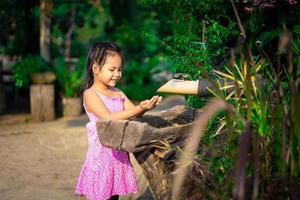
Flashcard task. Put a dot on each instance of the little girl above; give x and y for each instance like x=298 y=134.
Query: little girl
x=106 y=172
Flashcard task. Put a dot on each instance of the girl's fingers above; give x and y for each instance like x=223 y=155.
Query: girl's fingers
x=153 y=100
x=158 y=100
x=149 y=104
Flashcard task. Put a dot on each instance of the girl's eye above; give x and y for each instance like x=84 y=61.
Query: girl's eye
x=111 y=70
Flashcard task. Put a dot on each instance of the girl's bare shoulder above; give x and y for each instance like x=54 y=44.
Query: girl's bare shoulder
x=86 y=91
x=89 y=93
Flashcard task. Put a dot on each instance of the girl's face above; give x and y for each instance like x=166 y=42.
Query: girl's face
x=110 y=73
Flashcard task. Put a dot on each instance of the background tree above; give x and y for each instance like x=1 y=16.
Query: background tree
x=46 y=7
x=19 y=25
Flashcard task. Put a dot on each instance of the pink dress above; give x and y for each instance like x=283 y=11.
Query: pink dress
x=106 y=171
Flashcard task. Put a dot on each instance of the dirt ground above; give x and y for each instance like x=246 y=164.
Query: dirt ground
x=42 y=161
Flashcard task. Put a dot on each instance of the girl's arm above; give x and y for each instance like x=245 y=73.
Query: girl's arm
x=95 y=105
x=129 y=105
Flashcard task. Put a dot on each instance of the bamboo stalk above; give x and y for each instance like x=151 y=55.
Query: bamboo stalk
x=201 y=87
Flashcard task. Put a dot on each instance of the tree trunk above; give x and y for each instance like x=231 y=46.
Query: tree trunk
x=68 y=41
x=45 y=27
x=42 y=102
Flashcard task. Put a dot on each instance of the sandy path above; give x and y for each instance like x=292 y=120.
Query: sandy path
x=42 y=161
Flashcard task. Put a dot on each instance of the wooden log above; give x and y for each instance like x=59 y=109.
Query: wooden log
x=143 y=133
x=157 y=174
x=147 y=138
x=42 y=102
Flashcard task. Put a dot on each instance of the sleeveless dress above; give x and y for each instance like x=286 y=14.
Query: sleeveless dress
x=106 y=171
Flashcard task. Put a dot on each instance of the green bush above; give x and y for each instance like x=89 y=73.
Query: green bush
x=138 y=78
x=27 y=66
x=70 y=76
x=207 y=38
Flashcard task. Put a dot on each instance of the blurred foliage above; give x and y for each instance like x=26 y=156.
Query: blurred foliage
x=134 y=29
x=25 y=67
x=129 y=28
x=143 y=84
x=128 y=23
x=86 y=25
x=19 y=27
x=70 y=76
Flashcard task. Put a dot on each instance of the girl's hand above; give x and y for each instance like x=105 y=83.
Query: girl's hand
x=149 y=104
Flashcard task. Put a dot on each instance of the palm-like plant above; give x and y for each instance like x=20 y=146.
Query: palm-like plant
x=245 y=86
x=70 y=76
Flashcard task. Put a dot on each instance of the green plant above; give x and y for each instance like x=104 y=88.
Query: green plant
x=70 y=76
x=138 y=80
x=261 y=131
x=26 y=67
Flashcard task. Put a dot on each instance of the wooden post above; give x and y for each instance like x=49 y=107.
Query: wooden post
x=42 y=102
x=71 y=106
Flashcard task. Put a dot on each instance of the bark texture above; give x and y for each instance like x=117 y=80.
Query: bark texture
x=42 y=102
x=154 y=140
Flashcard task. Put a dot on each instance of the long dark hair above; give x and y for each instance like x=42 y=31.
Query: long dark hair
x=98 y=54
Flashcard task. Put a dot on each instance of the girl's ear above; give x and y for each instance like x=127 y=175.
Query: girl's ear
x=96 y=68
